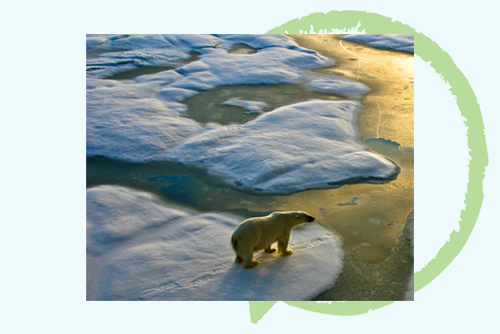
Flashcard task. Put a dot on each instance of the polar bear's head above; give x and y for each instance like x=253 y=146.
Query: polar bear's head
x=297 y=217
x=292 y=218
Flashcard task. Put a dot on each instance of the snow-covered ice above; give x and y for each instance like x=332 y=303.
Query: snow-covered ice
x=390 y=42
x=168 y=42
x=306 y=145
x=278 y=60
x=116 y=214
x=127 y=122
x=153 y=251
x=249 y=106
x=271 y=65
x=339 y=85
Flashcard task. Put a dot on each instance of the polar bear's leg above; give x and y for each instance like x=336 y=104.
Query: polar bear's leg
x=283 y=245
x=239 y=255
x=270 y=249
x=249 y=262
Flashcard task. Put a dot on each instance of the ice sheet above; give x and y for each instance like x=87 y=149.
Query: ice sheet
x=154 y=251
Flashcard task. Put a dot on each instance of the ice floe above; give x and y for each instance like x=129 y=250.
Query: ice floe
x=272 y=65
x=116 y=214
x=164 y=77
x=153 y=251
x=134 y=42
x=339 y=85
x=391 y=42
x=278 y=60
x=127 y=122
x=175 y=94
x=249 y=106
x=306 y=145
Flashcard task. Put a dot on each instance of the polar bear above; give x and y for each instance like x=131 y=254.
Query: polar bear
x=260 y=233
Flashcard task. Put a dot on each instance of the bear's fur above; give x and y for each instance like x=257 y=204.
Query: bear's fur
x=260 y=233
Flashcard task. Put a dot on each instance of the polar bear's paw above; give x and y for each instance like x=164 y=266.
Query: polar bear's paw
x=270 y=249
x=253 y=264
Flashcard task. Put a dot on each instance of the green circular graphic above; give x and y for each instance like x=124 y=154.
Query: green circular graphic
x=429 y=51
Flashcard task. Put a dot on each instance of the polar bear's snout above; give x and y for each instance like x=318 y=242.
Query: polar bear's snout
x=304 y=217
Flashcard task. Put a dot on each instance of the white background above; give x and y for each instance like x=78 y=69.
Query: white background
x=42 y=131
